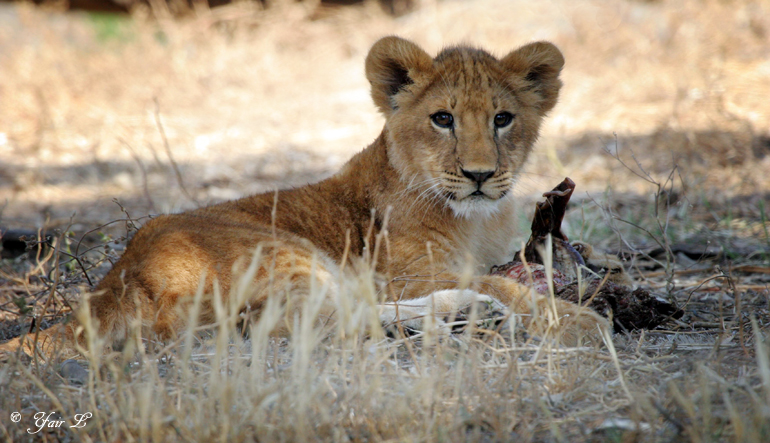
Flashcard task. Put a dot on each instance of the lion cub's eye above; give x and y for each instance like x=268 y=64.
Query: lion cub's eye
x=503 y=119
x=443 y=119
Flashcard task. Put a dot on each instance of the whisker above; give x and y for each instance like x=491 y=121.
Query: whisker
x=415 y=186
x=422 y=194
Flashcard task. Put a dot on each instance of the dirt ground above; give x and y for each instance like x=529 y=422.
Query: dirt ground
x=664 y=124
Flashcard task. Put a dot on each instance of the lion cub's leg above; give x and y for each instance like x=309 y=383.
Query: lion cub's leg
x=53 y=341
x=303 y=281
x=569 y=323
x=149 y=298
x=440 y=307
x=544 y=316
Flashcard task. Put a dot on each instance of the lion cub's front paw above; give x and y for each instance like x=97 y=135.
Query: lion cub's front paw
x=410 y=318
x=483 y=310
x=449 y=310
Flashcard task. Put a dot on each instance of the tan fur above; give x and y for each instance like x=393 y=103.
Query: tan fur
x=413 y=172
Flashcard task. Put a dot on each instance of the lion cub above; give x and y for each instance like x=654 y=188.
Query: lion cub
x=459 y=127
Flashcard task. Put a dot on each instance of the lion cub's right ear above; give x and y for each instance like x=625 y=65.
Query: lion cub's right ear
x=392 y=65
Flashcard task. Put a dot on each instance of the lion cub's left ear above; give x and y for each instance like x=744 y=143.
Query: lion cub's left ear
x=536 y=67
x=394 y=64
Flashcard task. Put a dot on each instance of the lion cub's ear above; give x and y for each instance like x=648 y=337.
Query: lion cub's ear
x=538 y=65
x=393 y=64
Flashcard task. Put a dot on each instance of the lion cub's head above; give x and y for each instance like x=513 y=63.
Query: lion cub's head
x=461 y=125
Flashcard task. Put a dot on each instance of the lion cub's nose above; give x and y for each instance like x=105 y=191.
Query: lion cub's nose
x=478 y=176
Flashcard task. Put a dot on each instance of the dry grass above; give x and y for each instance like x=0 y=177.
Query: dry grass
x=94 y=108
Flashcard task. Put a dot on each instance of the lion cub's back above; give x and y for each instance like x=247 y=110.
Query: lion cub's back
x=170 y=253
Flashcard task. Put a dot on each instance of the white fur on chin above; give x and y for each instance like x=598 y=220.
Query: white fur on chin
x=470 y=207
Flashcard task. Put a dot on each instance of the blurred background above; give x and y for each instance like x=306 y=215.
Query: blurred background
x=113 y=110
x=169 y=106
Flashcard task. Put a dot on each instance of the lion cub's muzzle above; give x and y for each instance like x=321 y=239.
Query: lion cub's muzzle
x=484 y=185
x=478 y=177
